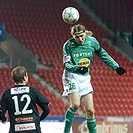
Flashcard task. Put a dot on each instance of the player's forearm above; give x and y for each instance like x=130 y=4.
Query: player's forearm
x=107 y=59
x=45 y=113
x=2 y=114
x=3 y=118
x=70 y=68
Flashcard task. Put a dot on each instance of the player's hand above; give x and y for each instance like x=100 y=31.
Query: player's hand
x=120 y=70
x=5 y=119
x=83 y=70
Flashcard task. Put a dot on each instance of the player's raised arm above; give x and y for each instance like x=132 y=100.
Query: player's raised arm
x=106 y=58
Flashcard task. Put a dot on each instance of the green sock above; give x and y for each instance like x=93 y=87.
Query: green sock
x=91 y=124
x=69 y=117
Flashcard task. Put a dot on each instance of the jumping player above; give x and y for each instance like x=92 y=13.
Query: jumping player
x=77 y=57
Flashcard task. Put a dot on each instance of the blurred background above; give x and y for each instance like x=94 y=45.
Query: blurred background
x=32 y=33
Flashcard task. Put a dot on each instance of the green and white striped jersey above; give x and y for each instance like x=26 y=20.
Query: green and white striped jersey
x=75 y=55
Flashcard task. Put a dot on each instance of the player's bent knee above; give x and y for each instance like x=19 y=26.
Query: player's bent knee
x=90 y=113
x=75 y=106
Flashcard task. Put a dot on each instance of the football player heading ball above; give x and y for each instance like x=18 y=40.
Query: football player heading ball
x=77 y=57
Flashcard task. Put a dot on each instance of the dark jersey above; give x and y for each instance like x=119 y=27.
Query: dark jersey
x=20 y=101
x=0 y=110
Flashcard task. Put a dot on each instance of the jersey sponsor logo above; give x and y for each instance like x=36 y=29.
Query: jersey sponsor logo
x=19 y=90
x=24 y=119
x=23 y=127
x=84 y=62
x=82 y=54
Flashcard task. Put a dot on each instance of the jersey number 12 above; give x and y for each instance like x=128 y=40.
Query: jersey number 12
x=24 y=110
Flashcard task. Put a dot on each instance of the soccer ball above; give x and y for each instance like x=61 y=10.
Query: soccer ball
x=70 y=15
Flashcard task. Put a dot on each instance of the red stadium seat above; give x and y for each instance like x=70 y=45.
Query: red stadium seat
x=34 y=29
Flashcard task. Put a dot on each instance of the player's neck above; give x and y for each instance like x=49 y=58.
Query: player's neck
x=24 y=83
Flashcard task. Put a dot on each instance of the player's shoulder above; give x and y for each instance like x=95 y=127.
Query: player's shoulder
x=93 y=41
x=6 y=93
x=69 y=42
x=92 y=38
x=35 y=90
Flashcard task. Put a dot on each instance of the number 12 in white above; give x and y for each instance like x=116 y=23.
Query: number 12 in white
x=24 y=110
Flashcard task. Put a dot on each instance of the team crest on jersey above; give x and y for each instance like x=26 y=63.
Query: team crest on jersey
x=66 y=58
x=19 y=90
x=84 y=62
